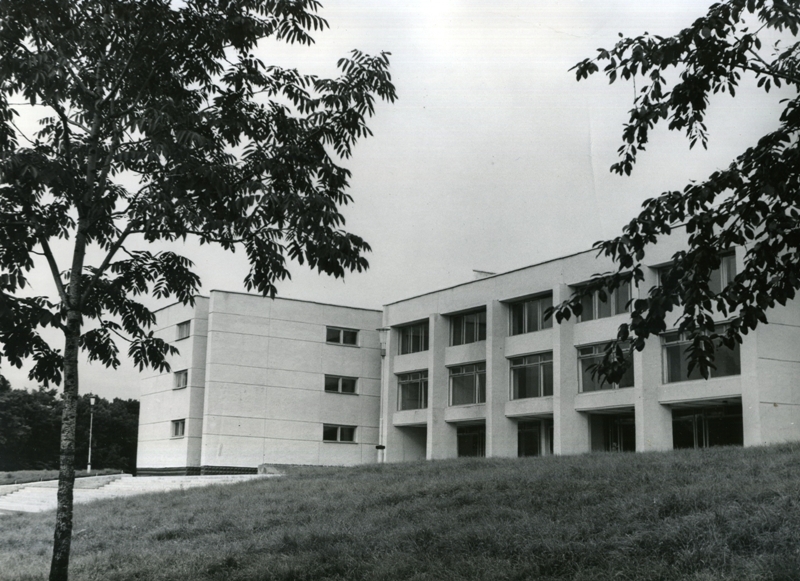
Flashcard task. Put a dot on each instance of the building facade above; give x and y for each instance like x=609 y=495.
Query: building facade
x=261 y=381
x=472 y=370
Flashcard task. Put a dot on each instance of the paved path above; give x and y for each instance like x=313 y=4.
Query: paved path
x=41 y=496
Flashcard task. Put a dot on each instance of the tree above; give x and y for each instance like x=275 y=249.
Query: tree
x=753 y=203
x=162 y=124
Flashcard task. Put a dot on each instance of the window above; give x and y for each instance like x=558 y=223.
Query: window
x=181 y=379
x=468 y=384
x=532 y=376
x=471 y=441
x=613 y=432
x=332 y=433
x=534 y=438
x=592 y=355
x=341 y=336
x=706 y=427
x=724 y=275
x=183 y=330
x=336 y=384
x=596 y=306
x=414 y=338
x=468 y=328
x=178 y=428
x=412 y=391
x=676 y=366
x=528 y=316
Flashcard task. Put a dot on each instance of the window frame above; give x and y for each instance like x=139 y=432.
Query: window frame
x=180 y=379
x=598 y=354
x=612 y=302
x=339 y=382
x=540 y=365
x=478 y=389
x=406 y=336
x=682 y=342
x=179 y=330
x=178 y=429
x=422 y=380
x=479 y=327
x=339 y=439
x=526 y=304
x=341 y=336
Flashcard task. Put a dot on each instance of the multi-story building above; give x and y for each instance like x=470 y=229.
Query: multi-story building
x=471 y=370
x=261 y=381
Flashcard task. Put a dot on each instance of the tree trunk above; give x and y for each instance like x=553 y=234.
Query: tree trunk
x=62 y=538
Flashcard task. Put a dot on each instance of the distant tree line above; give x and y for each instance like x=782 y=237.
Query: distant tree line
x=30 y=430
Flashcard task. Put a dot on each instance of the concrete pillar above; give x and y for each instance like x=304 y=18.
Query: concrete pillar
x=501 y=432
x=653 y=420
x=570 y=428
x=442 y=441
x=751 y=390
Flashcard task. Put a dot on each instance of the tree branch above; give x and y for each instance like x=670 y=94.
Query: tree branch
x=106 y=261
x=51 y=261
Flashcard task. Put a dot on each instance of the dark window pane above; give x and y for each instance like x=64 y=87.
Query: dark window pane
x=331 y=383
x=715 y=281
x=463 y=389
x=347 y=434
x=528 y=435
x=471 y=440
x=587 y=304
x=330 y=433
x=627 y=378
x=481 y=387
x=727 y=361
x=416 y=338
x=425 y=337
x=457 y=324
x=547 y=378
x=603 y=306
x=482 y=326
x=621 y=297
x=532 y=316
x=470 y=328
x=333 y=335
x=348 y=385
x=544 y=304
x=350 y=337
x=589 y=383
x=517 y=318
x=729 y=268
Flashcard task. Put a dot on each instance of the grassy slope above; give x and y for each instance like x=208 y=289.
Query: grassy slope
x=713 y=514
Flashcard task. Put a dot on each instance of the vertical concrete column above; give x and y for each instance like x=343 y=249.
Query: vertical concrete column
x=751 y=390
x=389 y=436
x=570 y=428
x=441 y=442
x=653 y=420
x=501 y=432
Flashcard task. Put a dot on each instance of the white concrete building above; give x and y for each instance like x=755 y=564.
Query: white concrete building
x=470 y=370
x=261 y=381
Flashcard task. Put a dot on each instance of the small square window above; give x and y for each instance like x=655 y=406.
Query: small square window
x=183 y=330
x=181 y=379
x=178 y=428
x=331 y=433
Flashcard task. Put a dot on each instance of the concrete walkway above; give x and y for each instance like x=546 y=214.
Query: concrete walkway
x=41 y=496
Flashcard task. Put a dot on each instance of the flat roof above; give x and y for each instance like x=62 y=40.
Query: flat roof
x=277 y=298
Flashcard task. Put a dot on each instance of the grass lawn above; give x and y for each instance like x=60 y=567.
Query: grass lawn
x=23 y=476
x=701 y=515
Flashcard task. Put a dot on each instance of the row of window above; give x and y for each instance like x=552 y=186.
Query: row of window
x=330 y=432
x=337 y=335
x=528 y=316
x=532 y=375
x=333 y=383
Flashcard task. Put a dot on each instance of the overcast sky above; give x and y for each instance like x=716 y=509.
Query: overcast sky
x=493 y=157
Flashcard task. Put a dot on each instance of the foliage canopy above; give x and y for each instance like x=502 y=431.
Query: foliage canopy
x=754 y=203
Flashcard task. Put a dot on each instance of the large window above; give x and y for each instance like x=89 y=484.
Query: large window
x=412 y=391
x=468 y=328
x=178 y=428
x=600 y=306
x=532 y=376
x=413 y=338
x=336 y=384
x=331 y=433
x=534 y=438
x=592 y=355
x=180 y=379
x=341 y=336
x=528 y=316
x=705 y=427
x=613 y=432
x=468 y=384
x=719 y=277
x=471 y=440
x=183 y=330
x=676 y=366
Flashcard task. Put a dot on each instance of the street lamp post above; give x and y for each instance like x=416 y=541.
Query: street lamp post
x=91 y=422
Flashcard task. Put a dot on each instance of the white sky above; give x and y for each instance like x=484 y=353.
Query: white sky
x=493 y=157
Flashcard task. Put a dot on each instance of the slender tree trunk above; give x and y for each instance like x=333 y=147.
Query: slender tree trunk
x=62 y=537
